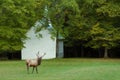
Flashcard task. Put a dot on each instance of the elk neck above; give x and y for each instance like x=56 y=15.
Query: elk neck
x=39 y=60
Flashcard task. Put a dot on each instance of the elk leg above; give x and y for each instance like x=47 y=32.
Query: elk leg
x=27 y=69
x=33 y=69
x=36 y=70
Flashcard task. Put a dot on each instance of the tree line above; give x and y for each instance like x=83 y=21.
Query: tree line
x=87 y=23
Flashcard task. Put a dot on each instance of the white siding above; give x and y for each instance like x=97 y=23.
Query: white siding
x=43 y=45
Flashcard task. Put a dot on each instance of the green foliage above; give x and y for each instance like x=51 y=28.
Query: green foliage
x=90 y=21
x=104 y=37
x=11 y=38
x=112 y=8
x=16 y=18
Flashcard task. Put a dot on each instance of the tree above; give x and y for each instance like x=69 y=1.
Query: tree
x=105 y=32
x=106 y=38
x=93 y=23
x=16 y=18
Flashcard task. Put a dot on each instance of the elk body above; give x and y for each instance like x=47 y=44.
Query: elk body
x=34 y=62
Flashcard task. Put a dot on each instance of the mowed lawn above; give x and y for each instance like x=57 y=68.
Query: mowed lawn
x=63 y=69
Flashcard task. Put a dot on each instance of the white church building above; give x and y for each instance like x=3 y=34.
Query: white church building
x=52 y=47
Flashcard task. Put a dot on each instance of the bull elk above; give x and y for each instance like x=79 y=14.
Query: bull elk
x=34 y=62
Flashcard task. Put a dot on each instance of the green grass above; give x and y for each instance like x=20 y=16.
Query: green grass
x=63 y=69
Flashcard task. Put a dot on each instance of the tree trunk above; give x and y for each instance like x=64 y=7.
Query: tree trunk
x=99 y=53
x=106 y=53
x=82 y=51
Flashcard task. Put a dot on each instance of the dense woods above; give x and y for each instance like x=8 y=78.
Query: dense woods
x=88 y=26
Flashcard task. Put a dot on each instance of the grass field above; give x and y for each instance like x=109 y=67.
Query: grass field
x=63 y=69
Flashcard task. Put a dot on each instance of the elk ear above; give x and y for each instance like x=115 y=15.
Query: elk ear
x=44 y=53
x=37 y=55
